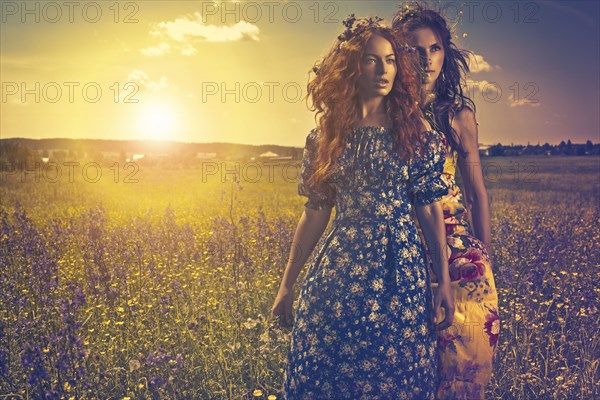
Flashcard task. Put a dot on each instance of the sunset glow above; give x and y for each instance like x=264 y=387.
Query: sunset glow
x=157 y=121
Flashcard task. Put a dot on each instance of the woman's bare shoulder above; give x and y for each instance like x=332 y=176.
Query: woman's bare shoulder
x=464 y=117
x=465 y=125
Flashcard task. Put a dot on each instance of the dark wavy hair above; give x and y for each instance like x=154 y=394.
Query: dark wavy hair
x=449 y=96
x=334 y=94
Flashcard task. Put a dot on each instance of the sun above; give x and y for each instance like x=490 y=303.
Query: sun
x=157 y=121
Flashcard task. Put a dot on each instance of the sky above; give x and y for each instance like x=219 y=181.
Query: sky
x=223 y=71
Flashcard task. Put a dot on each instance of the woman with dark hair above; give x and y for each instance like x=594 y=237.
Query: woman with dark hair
x=467 y=349
x=364 y=326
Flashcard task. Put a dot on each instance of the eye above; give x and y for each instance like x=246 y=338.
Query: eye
x=368 y=60
x=391 y=60
x=435 y=48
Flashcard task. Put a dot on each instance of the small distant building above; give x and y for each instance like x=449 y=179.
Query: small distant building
x=269 y=155
x=135 y=157
x=484 y=150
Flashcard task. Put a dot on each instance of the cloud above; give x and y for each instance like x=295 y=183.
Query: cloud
x=144 y=83
x=142 y=79
x=522 y=102
x=188 y=50
x=490 y=90
x=184 y=31
x=478 y=64
x=153 y=51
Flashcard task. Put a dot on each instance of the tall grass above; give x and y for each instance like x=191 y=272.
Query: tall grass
x=163 y=288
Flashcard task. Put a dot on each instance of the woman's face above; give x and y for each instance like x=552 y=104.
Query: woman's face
x=432 y=54
x=377 y=67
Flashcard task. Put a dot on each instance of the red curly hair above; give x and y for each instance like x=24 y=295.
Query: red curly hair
x=334 y=95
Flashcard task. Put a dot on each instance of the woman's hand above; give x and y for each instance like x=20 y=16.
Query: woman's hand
x=442 y=297
x=311 y=226
x=282 y=307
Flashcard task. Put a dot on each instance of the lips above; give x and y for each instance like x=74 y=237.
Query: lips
x=382 y=81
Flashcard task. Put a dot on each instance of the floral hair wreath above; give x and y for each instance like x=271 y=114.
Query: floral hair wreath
x=412 y=10
x=362 y=25
x=407 y=12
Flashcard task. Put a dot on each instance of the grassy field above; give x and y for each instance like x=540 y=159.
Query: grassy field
x=159 y=283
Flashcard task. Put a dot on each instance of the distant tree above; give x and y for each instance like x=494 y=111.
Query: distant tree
x=547 y=146
x=17 y=155
x=59 y=155
x=589 y=147
x=496 y=150
x=529 y=150
x=72 y=155
x=562 y=148
x=96 y=156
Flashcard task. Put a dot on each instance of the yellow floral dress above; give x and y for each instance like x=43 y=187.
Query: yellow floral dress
x=467 y=349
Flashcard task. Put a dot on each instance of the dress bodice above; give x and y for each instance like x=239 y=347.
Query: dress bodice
x=371 y=181
x=456 y=216
x=451 y=155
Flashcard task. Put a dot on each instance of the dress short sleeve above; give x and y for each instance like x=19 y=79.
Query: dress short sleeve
x=321 y=196
x=425 y=170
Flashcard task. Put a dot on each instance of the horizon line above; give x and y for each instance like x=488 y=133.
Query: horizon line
x=268 y=144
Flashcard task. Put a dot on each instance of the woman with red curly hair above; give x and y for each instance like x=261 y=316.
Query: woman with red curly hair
x=467 y=349
x=364 y=323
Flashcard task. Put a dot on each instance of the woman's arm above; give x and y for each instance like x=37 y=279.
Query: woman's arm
x=311 y=226
x=476 y=197
x=431 y=221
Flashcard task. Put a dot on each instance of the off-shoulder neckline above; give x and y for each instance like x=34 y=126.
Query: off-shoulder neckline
x=382 y=129
x=372 y=128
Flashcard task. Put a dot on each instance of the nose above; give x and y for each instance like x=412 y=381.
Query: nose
x=427 y=58
x=384 y=67
x=381 y=68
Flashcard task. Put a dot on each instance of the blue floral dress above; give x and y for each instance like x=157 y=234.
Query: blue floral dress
x=364 y=325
